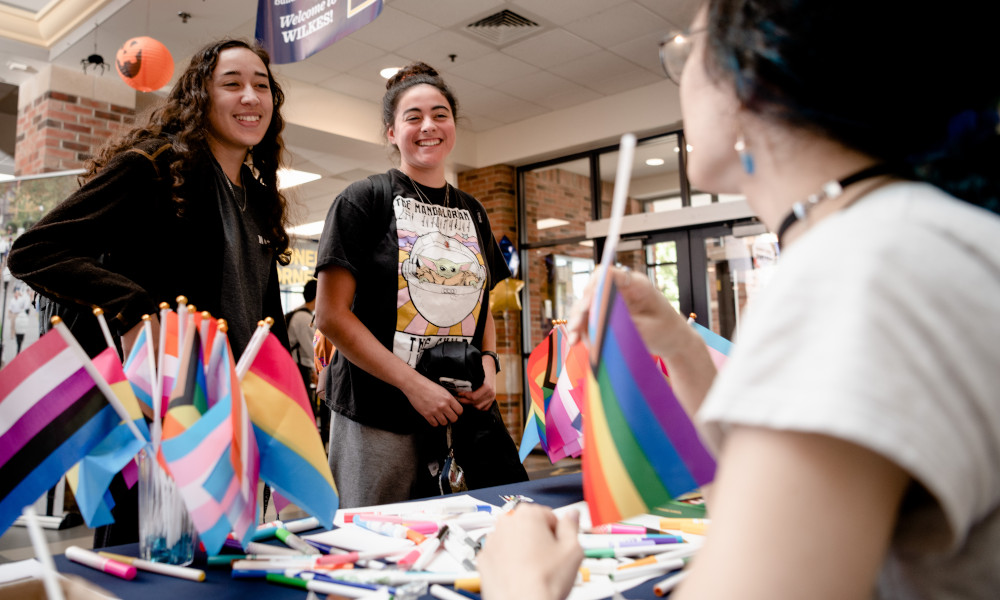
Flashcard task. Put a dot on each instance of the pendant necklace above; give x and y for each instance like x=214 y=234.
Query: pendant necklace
x=420 y=192
x=232 y=190
x=831 y=189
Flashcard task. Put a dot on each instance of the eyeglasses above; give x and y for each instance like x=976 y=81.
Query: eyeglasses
x=674 y=52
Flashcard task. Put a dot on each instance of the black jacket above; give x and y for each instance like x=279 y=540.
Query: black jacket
x=118 y=243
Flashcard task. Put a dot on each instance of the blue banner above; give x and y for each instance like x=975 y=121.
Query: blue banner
x=294 y=30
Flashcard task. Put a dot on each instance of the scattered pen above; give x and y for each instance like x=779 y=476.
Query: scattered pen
x=443 y=593
x=664 y=586
x=647 y=570
x=295 y=542
x=155 y=567
x=323 y=587
x=430 y=549
x=96 y=561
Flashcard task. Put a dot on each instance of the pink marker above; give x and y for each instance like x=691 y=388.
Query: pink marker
x=96 y=561
x=619 y=528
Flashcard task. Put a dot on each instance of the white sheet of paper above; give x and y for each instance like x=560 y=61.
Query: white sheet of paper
x=22 y=569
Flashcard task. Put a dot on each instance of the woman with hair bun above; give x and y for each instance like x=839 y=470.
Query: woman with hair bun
x=857 y=421
x=406 y=262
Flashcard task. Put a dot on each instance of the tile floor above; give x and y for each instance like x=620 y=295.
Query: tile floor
x=15 y=544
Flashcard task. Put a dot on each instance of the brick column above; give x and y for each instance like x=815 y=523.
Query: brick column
x=495 y=187
x=63 y=116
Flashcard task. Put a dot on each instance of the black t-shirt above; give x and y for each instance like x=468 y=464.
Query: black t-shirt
x=424 y=266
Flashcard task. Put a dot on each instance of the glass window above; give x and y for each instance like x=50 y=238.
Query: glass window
x=555 y=277
x=557 y=201
x=655 y=175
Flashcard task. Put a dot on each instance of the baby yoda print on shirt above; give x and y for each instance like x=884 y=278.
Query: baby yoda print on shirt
x=441 y=276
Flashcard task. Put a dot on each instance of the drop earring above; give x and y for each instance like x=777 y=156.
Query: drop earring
x=746 y=159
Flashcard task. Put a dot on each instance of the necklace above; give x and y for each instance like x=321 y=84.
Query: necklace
x=831 y=189
x=232 y=190
x=420 y=192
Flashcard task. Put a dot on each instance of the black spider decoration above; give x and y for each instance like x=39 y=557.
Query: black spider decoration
x=95 y=61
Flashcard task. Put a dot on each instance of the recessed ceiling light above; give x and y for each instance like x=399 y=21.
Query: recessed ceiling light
x=388 y=72
x=549 y=223
x=288 y=178
x=307 y=229
x=654 y=162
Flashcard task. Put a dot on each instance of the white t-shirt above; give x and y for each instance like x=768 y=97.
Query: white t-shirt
x=881 y=327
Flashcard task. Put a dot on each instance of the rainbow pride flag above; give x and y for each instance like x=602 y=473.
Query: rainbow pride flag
x=641 y=449
x=292 y=458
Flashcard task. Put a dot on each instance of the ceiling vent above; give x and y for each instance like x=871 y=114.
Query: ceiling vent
x=503 y=27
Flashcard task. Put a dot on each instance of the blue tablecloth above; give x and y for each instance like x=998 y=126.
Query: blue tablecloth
x=219 y=585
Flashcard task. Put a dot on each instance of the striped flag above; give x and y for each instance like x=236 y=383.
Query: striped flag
x=292 y=458
x=641 y=447
x=140 y=373
x=541 y=382
x=169 y=361
x=198 y=442
x=90 y=478
x=52 y=414
x=718 y=346
x=563 y=416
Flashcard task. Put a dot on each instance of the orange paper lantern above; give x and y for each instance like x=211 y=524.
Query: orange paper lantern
x=144 y=63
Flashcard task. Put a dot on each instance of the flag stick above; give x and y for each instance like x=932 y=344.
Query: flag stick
x=181 y=311
x=626 y=152
x=102 y=385
x=158 y=388
x=99 y=313
x=52 y=588
x=253 y=347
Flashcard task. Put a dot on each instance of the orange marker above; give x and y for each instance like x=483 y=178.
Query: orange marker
x=695 y=526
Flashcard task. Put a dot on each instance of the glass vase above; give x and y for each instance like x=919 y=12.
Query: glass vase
x=166 y=531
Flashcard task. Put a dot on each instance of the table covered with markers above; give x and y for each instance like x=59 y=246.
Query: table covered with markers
x=450 y=559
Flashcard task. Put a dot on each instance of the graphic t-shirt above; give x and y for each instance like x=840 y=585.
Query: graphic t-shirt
x=423 y=271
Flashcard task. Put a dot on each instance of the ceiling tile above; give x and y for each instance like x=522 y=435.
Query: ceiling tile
x=445 y=13
x=548 y=90
x=643 y=51
x=588 y=70
x=561 y=12
x=618 y=25
x=355 y=86
x=551 y=48
x=624 y=80
x=679 y=13
x=395 y=30
x=493 y=69
x=436 y=48
x=302 y=71
x=344 y=54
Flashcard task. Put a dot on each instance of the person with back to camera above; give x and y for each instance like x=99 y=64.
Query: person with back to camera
x=857 y=419
x=172 y=207
x=400 y=270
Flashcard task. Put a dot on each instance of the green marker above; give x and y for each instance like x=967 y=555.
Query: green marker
x=295 y=542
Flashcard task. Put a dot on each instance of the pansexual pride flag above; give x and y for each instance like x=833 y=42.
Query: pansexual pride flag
x=292 y=458
x=52 y=414
x=641 y=448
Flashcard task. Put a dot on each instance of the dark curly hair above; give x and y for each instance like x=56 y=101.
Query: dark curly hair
x=412 y=75
x=900 y=83
x=183 y=120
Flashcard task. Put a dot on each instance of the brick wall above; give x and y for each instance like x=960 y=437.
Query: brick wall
x=58 y=131
x=495 y=187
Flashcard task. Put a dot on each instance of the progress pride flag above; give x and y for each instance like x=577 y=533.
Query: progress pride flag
x=294 y=30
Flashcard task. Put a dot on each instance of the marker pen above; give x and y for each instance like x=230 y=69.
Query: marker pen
x=155 y=567
x=322 y=587
x=424 y=527
x=647 y=570
x=428 y=550
x=695 y=526
x=295 y=542
x=663 y=587
x=300 y=525
x=96 y=561
x=443 y=593
x=258 y=548
x=682 y=553
x=619 y=528
x=626 y=551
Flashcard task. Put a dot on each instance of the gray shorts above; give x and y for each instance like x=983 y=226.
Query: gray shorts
x=371 y=465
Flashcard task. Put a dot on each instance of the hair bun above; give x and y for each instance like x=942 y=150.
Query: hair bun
x=411 y=70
